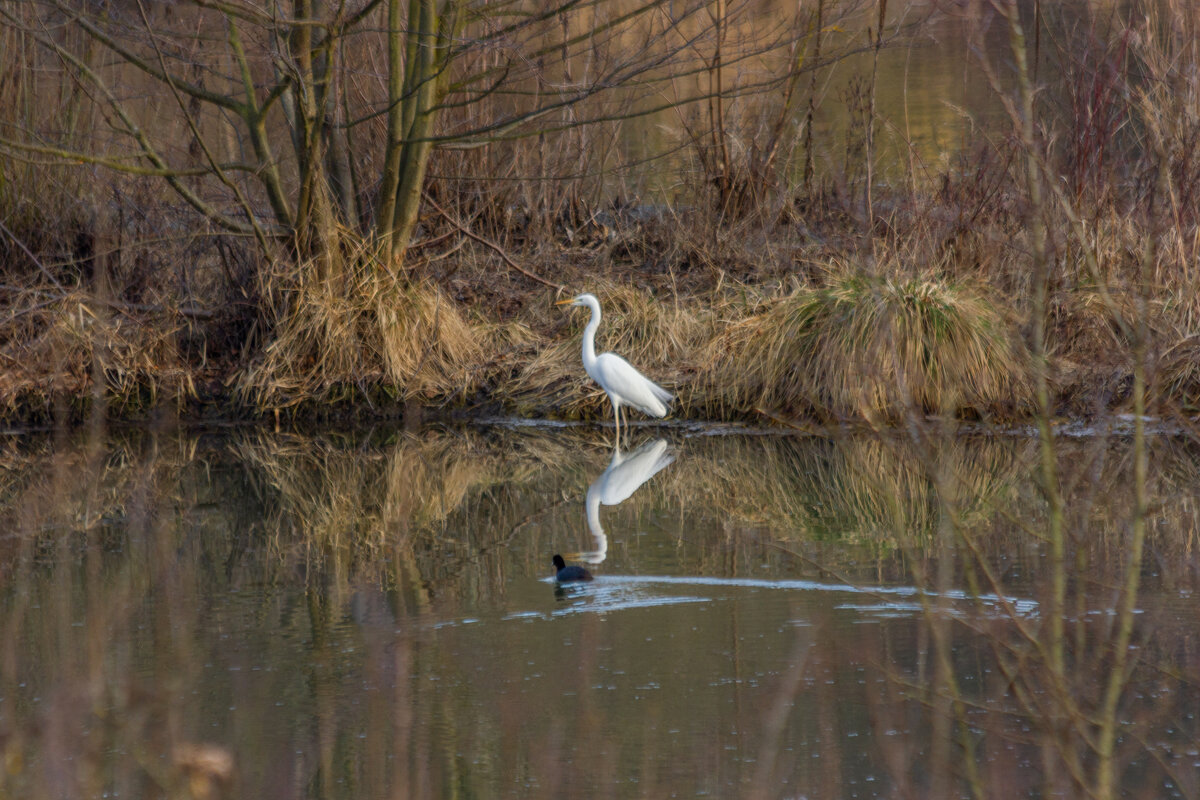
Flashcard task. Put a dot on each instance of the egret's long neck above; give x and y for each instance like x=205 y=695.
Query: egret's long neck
x=589 y=338
x=592 y=506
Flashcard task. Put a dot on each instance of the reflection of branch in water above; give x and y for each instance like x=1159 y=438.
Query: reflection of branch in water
x=766 y=782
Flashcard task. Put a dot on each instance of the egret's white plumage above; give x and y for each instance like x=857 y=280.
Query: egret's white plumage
x=625 y=475
x=616 y=376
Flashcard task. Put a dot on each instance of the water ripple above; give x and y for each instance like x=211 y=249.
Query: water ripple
x=613 y=592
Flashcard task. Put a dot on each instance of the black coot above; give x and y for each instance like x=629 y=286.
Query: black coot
x=568 y=574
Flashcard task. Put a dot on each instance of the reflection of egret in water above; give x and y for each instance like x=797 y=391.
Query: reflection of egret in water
x=625 y=474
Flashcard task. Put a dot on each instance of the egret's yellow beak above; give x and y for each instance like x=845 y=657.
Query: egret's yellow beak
x=564 y=302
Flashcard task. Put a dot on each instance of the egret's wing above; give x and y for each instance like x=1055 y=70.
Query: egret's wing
x=625 y=476
x=619 y=378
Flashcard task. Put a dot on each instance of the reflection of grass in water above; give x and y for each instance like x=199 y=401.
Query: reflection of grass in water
x=438 y=501
x=860 y=489
x=344 y=513
x=449 y=497
x=446 y=496
x=340 y=495
x=1099 y=501
x=54 y=494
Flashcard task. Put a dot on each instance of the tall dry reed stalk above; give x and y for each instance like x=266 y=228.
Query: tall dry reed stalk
x=1078 y=708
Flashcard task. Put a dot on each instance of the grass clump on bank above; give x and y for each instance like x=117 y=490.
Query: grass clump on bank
x=78 y=350
x=364 y=333
x=872 y=347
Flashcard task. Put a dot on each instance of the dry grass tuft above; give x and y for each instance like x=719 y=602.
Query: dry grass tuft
x=1178 y=375
x=355 y=497
x=76 y=347
x=869 y=347
x=361 y=328
x=1093 y=353
x=427 y=344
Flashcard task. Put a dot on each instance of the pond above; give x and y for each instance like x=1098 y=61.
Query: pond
x=249 y=613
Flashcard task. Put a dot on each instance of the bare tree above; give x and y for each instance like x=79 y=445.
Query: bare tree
x=302 y=120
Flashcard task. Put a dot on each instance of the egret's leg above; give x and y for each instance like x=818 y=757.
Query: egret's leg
x=617 y=420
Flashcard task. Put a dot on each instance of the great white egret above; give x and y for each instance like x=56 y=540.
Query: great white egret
x=569 y=574
x=616 y=376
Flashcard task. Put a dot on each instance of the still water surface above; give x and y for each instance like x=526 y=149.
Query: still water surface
x=255 y=614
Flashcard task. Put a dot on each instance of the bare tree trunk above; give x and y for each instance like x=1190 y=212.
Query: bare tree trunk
x=416 y=73
x=420 y=95
x=812 y=98
x=871 y=113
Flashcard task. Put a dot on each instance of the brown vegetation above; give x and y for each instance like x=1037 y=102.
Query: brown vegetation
x=759 y=281
x=757 y=264
x=859 y=346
